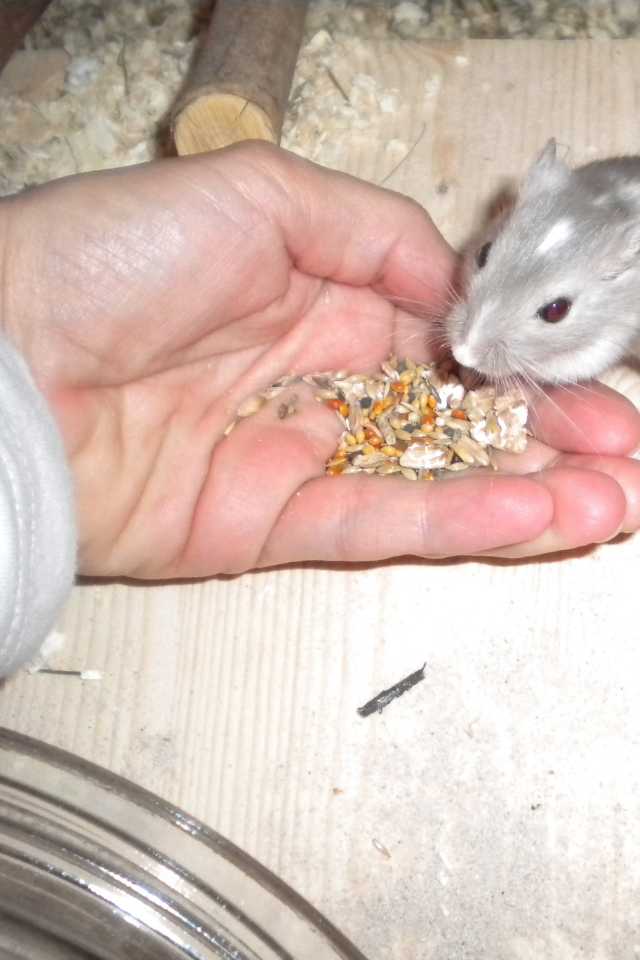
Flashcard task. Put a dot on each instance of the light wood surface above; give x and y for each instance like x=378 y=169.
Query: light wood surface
x=505 y=786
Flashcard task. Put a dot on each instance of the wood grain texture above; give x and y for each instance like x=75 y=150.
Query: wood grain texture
x=505 y=786
x=240 y=81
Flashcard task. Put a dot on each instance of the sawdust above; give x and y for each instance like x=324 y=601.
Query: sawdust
x=126 y=62
x=109 y=72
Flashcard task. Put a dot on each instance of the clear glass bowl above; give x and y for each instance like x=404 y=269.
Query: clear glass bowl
x=92 y=866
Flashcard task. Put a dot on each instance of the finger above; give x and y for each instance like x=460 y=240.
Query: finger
x=339 y=227
x=624 y=470
x=537 y=456
x=253 y=474
x=586 y=419
x=589 y=507
x=626 y=474
x=370 y=518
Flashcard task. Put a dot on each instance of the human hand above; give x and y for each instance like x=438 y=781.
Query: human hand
x=149 y=302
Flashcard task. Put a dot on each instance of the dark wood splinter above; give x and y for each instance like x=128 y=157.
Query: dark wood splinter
x=382 y=700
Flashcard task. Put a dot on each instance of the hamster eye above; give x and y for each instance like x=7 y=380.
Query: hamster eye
x=556 y=310
x=483 y=253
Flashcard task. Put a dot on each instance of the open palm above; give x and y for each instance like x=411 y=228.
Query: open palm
x=150 y=302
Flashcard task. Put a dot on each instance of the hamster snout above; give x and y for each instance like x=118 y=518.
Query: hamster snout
x=475 y=343
x=464 y=355
x=461 y=346
x=551 y=292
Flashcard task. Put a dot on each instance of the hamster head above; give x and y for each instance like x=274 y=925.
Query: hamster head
x=550 y=292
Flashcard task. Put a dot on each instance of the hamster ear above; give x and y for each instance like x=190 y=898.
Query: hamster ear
x=624 y=252
x=547 y=172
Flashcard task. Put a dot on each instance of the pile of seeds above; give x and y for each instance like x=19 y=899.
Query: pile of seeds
x=417 y=420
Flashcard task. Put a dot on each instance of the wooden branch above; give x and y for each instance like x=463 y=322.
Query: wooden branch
x=240 y=81
x=16 y=19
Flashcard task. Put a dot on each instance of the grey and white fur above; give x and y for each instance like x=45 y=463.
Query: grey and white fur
x=551 y=290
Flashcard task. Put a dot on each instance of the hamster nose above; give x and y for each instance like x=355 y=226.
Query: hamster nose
x=464 y=355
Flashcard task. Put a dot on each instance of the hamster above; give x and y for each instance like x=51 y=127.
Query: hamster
x=551 y=291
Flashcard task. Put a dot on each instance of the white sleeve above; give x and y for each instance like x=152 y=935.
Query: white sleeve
x=37 y=523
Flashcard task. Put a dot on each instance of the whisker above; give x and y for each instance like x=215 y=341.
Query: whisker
x=529 y=372
x=430 y=340
x=571 y=386
x=408 y=303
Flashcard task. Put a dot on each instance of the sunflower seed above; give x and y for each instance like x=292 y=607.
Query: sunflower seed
x=425 y=457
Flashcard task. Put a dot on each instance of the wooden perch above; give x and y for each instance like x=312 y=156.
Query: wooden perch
x=240 y=81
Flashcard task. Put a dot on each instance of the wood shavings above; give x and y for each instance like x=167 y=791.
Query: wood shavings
x=380 y=847
x=53 y=643
x=406 y=156
x=408 y=17
x=118 y=67
x=331 y=104
x=325 y=117
x=114 y=69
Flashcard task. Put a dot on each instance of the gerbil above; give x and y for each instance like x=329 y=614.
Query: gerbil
x=551 y=291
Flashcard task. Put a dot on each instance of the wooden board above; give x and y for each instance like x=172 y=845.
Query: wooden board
x=505 y=787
